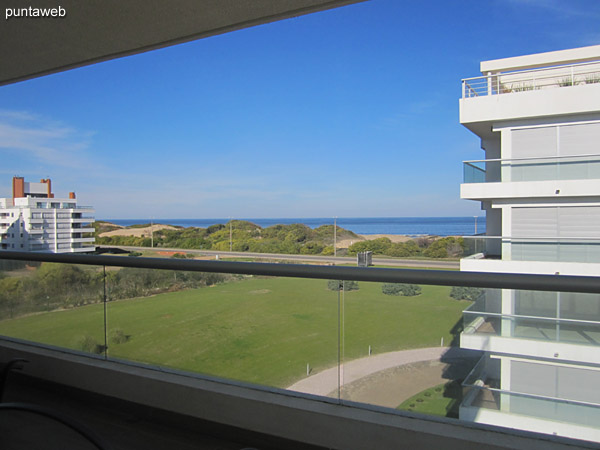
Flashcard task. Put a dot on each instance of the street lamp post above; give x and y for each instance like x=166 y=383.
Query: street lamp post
x=335 y=236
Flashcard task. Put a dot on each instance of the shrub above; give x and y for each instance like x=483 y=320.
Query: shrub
x=336 y=285
x=407 y=290
x=465 y=293
x=328 y=251
x=378 y=246
x=425 y=241
x=311 y=248
x=445 y=247
x=117 y=336
x=214 y=228
x=403 y=249
x=566 y=81
x=90 y=345
x=591 y=79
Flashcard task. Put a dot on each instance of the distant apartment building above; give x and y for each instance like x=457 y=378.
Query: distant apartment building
x=538 y=118
x=34 y=220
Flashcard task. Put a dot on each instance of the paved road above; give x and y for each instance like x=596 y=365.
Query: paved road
x=326 y=382
x=306 y=258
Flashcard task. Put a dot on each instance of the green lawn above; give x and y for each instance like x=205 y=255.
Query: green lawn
x=261 y=330
x=441 y=400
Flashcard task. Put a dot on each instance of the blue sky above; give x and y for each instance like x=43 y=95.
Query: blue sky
x=351 y=112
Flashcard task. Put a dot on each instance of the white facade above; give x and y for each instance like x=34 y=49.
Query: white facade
x=538 y=117
x=38 y=223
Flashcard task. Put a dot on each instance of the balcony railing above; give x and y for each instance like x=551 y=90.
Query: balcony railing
x=558 y=249
x=530 y=80
x=48 y=206
x=571 y=331
x=556 y=409
x=283 y=326
x=576 y=167
x=482 y=391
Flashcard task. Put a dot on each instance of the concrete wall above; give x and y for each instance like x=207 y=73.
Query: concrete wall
x=313 y=420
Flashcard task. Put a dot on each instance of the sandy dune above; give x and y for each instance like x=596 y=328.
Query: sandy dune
x=345 y=243
x=341 y=243
x=137 y=232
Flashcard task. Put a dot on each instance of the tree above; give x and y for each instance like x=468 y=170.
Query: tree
x=445 y=248
x=407 y=290
x=11 y=291
x=378 y=246
x=346 y=285
x=465 y=293
x=403 y=249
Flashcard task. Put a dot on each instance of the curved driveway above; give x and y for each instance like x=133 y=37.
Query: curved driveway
x=325 y=382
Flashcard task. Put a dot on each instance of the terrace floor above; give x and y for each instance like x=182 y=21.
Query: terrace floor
x=122 y=425
x=576 y=334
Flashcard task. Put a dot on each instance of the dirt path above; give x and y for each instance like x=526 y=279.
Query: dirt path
x=390 y=378
x=392 y=386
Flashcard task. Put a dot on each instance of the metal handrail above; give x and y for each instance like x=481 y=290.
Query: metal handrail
x=535 y=396
x=532 y=158
x=539 y=69
x=537 y=318
x=552 y=239
x=534 y=282
x=495 y=83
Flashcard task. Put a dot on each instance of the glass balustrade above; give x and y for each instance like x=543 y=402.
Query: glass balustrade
x=272 y=331
x=580 y=413
x=549 y=316
x=393 y=345
x=559 y=249
x=577 y=167
x=53 y=303
x=399 y=347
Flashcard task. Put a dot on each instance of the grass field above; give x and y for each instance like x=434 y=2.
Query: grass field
x=442 y=400
x=261 y=330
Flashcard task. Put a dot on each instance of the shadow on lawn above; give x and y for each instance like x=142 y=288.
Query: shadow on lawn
x=459 y=363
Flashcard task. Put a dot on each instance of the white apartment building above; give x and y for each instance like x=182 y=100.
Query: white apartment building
x=34 y=220
x=538 y=118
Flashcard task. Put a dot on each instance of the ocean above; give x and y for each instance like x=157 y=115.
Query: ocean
x=409 y=226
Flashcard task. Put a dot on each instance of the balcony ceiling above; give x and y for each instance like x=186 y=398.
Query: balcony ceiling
x=99 y=30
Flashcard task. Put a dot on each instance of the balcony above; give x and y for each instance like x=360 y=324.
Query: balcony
x=576 y=167
x=257 y=330
x=53 y=205
x=483 y=398
x=545 y=321
x=532 y=80
x=82 y=219
x=543 y=92
x=552 y=176
x=532 y=250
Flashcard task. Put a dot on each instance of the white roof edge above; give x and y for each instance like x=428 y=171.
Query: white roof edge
x=570 y=56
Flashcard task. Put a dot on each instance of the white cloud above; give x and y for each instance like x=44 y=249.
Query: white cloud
x=41 y=140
